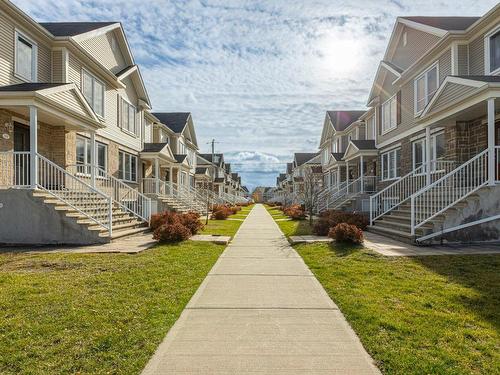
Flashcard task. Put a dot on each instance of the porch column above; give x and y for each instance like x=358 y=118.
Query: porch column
x=428 y=155
x=171 y=174
x=157 y=176
x=361 y=174
x=338 y=176
x=491 y=142
x=347 y=176
x=33 y=146
x=92 y=159
x=178 y=177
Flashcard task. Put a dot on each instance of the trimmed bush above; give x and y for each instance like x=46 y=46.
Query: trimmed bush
x=295 y=212
x=346 y=233
x=221 y=214
x=191 y=220
x=329 y=219
x=172 y=233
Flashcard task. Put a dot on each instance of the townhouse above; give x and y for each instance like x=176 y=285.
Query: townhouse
x=82 y=157
x=423 y=160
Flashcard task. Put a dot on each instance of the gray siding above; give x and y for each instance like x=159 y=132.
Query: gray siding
x=57 y=68
x=452 y=92
x=444 y=62
x=476 y=56
x=463 y=57
x=100 y=48
x=418 y=42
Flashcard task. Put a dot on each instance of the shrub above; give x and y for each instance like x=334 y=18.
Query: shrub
x=295 y=212
x=172 y=232
x=346 y=233
x=329 y=219
x=167 y=217
x=234 y=209
x=191 y=220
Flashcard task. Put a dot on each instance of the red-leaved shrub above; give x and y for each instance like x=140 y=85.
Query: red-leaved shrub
x=329 y=219
x=295 y=212
x=191 y=220
x=346 y=233
x=172 y=233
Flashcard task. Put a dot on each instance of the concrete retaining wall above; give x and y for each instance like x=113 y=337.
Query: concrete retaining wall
x=26 y=220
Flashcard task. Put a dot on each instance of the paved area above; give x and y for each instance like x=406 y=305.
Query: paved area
x=260 y=311
x=392 y=248
x=219 y=240
x=128 y=245
x=309 y=239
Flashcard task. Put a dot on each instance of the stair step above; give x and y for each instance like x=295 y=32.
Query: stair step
x=392 y=233
x=128 y=232
x=132 y=224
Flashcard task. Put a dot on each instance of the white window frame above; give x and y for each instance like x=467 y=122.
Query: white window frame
x=426 y=88
x=388 y=102
x=424 y=156
x=487 y=62
x=81 y=170
x=394 y=175
x=34 y=57
x=93 y=104
x=124 y=103
x=124 y=155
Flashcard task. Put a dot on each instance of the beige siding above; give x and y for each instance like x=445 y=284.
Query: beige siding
x=418 y=42
x=74 y=71
x=70 y=100
x=444 y=62
x=463 y=57
x=7 y=43
x=100 y=47
x=476 y=56
x=57 y=68
x=452 y=92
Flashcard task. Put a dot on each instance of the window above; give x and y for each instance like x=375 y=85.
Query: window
x=83 y=152
x=128 y=117
x=182 y=148
x=492 y=48
x=93 y=91
x=127 y=168
x=405 y=39
x=425 y=86
x=390 y=164
x=26 y=58
x=438 y=150
x=389 y=114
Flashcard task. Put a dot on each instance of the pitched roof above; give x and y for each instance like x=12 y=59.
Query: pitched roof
x=445 y=23
x=227 y=167
x=489 y=79
x=338 y=155
x=73 y=28
x=153 y=147
x=208 y=157
x=30 y=86
x=234 y=176
x=124 y=70
x=180 y=157
x=219 y=179
x=175 y=121
x=289 y=168
x=364 y=144
x=201 y=170
x=342 y=119
x=303 y=157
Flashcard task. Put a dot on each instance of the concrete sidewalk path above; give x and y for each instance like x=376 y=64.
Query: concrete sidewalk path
x=260 y=310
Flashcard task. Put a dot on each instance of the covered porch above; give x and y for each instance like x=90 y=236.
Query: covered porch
x=360 y=165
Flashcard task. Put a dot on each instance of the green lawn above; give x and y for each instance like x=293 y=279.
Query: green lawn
x=226 y=227
x=97 y=313
x=289 y=227
x=424 y=315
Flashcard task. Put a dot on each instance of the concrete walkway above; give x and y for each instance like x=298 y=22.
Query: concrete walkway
x=260 y=311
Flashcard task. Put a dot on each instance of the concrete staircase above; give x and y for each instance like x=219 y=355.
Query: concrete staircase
x=183 y=205
x=123 y=223
x=396 y=223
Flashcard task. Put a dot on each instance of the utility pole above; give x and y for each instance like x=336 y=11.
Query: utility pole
x=213 y=179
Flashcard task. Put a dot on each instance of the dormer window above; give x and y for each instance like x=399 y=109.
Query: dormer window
x=26 y=58
x=492 y=49
x=425 y=85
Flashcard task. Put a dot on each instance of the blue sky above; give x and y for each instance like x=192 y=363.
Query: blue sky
x=258 y=76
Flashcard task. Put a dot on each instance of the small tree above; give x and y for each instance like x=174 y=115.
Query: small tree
x=313 y=183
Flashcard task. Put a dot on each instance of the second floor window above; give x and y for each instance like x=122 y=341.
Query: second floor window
x=494 y=51
x=389 y=114
x=26 y=58
x=425 y=86
x=128 y=117
x=93 y=91
x=182 y=148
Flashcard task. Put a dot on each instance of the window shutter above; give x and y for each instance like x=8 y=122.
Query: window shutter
x=398 y=107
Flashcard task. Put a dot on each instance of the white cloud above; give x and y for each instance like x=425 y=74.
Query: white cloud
x=257 y=75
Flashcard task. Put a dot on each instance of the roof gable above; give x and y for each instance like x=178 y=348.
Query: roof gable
x=343 y=118
x=175 y=121
x=70 y=29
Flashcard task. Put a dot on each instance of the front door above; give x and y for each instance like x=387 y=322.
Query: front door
x=21 y=159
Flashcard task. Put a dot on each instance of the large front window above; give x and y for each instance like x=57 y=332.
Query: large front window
x=127 y=168
x=494 y=52
x=390 y=164
x=83 y=153
x=389 y=114
x=425 y=86
x=26 y=58
x=438 y=150
x=93 y=91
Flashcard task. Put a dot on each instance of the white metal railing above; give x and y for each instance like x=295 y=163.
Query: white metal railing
x=456 y=185
x=401 y=190
x=125 y=196
x=15 y=169
x=77 y=194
